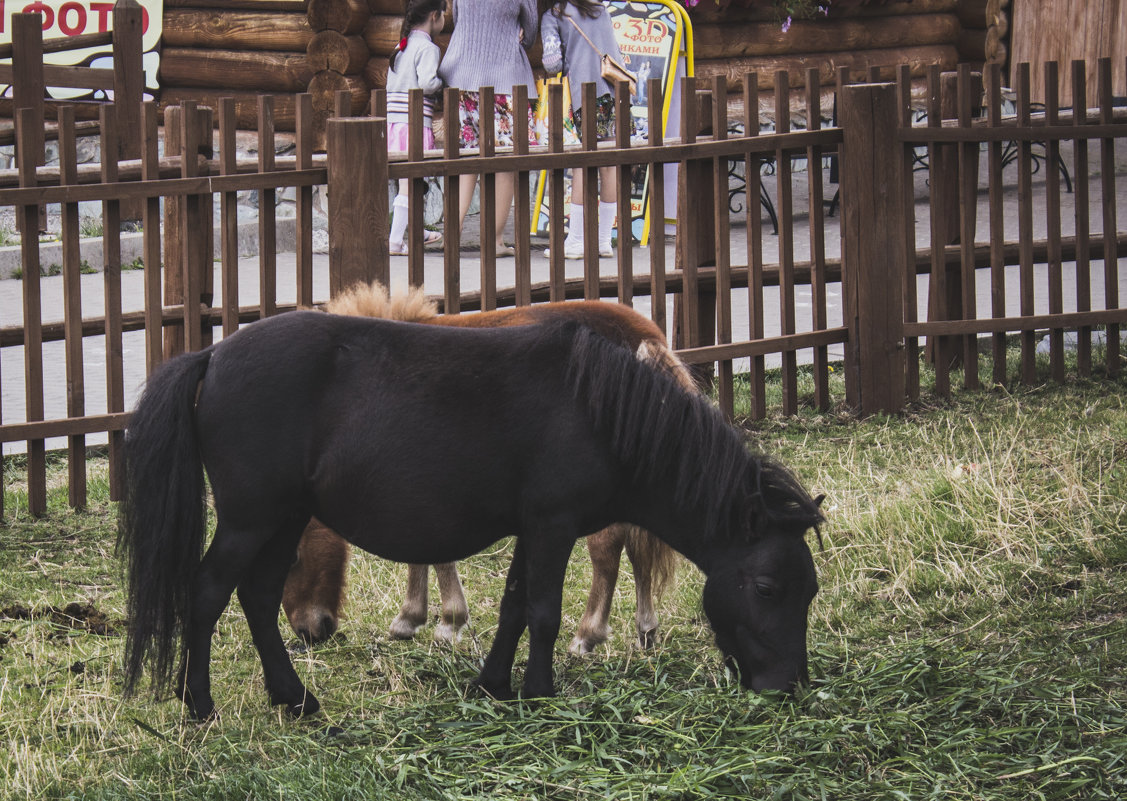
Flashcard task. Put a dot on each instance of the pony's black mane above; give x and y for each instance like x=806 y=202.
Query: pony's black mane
x=663 y=432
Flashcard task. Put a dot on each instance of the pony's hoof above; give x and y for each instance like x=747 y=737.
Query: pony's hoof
x=580 y=647
x=403 y=629
x=308 y=706
x=647 y=639
x=447 y=633
x=498 y=692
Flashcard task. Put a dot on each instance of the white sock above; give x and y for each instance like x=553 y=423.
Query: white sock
x=398 y=220
x=607 y=212
x=574 y=239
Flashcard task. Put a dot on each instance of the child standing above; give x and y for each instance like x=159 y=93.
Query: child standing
x=413 y=65
x=575 y=33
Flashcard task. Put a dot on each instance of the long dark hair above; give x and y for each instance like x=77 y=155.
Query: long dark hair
x=414 y=15
x=588 y=8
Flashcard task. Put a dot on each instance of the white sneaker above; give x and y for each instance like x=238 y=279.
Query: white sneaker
x=570 y=252
x=605 y=250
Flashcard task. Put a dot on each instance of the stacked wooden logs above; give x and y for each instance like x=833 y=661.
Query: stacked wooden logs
x=243 y=48
x=985 y=29
x=738 y=40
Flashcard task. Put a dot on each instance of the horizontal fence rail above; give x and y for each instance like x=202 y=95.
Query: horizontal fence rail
x=956 y=197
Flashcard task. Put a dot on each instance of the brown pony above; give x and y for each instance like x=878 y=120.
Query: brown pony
x=314 y=590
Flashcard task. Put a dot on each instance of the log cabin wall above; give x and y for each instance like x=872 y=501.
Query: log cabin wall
x=242 y=48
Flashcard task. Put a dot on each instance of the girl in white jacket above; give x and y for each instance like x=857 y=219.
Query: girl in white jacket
x=413 y=65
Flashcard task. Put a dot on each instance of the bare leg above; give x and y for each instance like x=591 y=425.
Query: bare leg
x=505 y=189
x=466 y=184
x=413 y=614
x=605 y=548
x=455 y=611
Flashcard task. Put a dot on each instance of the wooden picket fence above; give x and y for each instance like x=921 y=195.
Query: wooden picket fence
x=862 y=300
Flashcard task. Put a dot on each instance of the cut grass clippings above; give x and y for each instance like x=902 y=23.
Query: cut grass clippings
x=969 y=642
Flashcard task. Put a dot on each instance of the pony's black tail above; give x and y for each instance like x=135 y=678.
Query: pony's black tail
x=161 y=518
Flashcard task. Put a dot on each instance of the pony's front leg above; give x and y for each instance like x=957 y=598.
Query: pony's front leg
x=413 y=613
x=455 y=610
x=547 y=566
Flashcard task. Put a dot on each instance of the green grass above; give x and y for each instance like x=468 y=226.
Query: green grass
x=969 y=642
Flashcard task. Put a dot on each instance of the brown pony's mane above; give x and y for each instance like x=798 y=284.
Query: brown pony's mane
x=373 y=300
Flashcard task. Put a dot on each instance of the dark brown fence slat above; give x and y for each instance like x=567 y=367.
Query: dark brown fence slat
x=754 y=217
x=111 y=290
x=724 y=377
x=692 y=232
x=911 y=299
x=72 y=311
x=622 y=188
x=228 y=219
x=784 y=207
x=940 y=348
x=969 y=99
x=267 y=224
x=455 y=188
x=303 y=200
x=28 y=217
x=487 y=198
x=416 y=189
x=522 y=205
x=150 y=221
x=997 y=222
x=1081 y=195
x=195 y=219
x=1107 y=186
x=556 y=194
x=1052 y=220
x=1025 y=228
x=588 y=199
x=818 y=313
x=658 y=311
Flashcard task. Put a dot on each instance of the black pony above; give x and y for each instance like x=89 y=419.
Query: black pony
x=426 y=444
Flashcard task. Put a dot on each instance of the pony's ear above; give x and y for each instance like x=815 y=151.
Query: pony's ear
x=819 y=499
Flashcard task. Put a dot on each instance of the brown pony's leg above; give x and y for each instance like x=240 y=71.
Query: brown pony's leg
x=315 y=586
x=413 y=614
x=654 y=563
x=605 y=548
x=455 y=610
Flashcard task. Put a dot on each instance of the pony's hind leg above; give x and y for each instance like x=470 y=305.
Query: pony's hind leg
x=605 y=548
x=413 y=613
x=455 y=610
x=260 y=594
x=222 y=568
x=654 y=564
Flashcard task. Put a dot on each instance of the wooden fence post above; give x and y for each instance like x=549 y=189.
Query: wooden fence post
x=358 y=210
x=873 y=254
x=28 y=90
x=128 y=87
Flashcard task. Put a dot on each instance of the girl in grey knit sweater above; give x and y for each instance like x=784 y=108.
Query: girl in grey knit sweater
x=489 y=48
x=562 y=29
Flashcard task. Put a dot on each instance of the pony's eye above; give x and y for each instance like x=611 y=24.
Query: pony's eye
x=764 y=590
